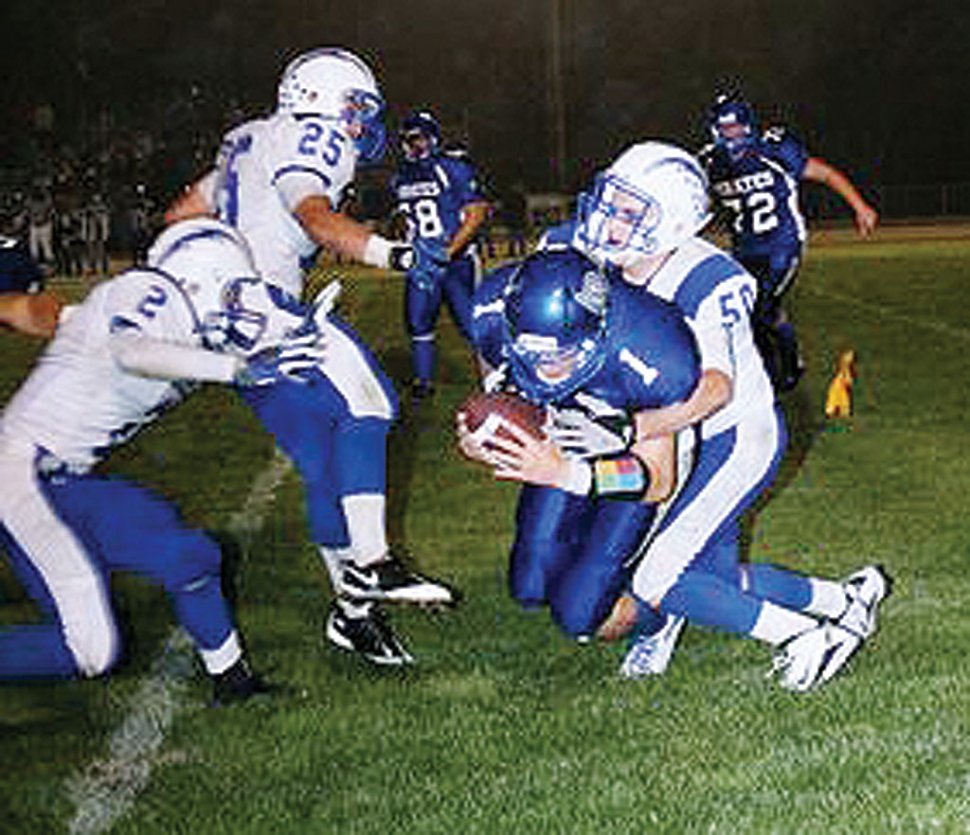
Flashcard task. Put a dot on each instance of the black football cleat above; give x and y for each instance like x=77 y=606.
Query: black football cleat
x=369 y=635
x=389 y=581
x=237 y=684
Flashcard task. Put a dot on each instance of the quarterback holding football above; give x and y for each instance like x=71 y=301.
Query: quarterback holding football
x=592 y=354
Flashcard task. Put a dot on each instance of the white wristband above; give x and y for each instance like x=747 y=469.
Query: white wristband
x=377 y=252
x=579 y=480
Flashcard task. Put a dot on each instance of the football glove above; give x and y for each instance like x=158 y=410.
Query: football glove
x=579 y=435
x=293 y=359
x=401 y=258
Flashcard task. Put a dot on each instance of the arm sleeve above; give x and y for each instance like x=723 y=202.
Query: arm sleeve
x=152 y=331
x=146 y=356
x=789 y=151
x=471 y=189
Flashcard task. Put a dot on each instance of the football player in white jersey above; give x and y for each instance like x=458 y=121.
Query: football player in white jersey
x=123 y=356
x=279 y=180
x=644 y=215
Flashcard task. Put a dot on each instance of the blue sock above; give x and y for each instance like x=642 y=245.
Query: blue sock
x=779 y=585
x=710 y=601
x=423 y=358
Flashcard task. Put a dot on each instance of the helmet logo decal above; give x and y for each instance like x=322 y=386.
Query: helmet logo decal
x=592 y=295
x=536 y=343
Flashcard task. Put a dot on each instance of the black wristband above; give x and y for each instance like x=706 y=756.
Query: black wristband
x=401 y=258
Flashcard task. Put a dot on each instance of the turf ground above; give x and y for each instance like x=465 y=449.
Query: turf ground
x=504 y=726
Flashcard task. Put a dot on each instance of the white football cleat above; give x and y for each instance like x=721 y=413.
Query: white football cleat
x=812 y=658
x=649 y=655
x=865 y=590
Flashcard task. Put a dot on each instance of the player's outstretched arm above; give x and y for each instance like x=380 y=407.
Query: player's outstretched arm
x=342 y=234
x=819 y=171
x=34 y=314
x=335 y=231
x=148 y=356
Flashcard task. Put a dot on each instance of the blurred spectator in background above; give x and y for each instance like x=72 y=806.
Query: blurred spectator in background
x=97 y=230
x=40 y=209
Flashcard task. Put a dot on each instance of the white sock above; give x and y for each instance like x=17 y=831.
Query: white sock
x=221 y=658
x=365 y=523
x=828 y=598
x=334 y=559
x=775 y=625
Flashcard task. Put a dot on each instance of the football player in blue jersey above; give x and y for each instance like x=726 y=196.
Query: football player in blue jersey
x=124 y=356
x=280 y=180
x=643 y=215
x=438 y=194
x=597 y=353
x=755 y=178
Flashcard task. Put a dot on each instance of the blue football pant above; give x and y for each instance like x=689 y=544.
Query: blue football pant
x=336 y=456
x=572 y=553
x=334 y=429
x=120 y=526
x=774 y=334
x=693 y=562
x=422 y=306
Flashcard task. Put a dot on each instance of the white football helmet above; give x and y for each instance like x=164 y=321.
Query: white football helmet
x=212 y=264
x=649 y=201
x=336 y=85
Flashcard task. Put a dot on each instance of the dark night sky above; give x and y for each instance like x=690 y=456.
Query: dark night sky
x=872 y=85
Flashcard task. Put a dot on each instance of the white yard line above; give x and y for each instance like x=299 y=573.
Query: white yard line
x=889 y=313
x=107 y=788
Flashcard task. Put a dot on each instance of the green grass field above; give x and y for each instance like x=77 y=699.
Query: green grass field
x=504 y=726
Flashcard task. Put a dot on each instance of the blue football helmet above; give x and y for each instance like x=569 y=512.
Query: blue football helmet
x=336 y=85
x=555 y=311
x=732 y=124
x=420 y=135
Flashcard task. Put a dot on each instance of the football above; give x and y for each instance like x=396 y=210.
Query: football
x=485 y=412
